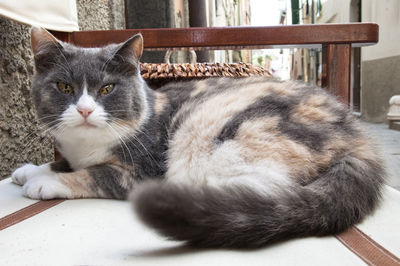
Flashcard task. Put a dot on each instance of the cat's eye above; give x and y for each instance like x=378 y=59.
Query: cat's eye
x=65 y=88
x=106 y=89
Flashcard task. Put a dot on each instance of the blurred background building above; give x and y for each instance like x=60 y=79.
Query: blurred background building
x=375 y=69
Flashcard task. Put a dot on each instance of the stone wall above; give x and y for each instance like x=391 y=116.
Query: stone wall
x=21 y=138
x=101 y=14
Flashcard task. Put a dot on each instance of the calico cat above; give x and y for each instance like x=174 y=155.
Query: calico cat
x=214 y=163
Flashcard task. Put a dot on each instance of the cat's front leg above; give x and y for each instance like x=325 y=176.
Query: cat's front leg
x=102 y=181
x=46 y=187
x=28 y=171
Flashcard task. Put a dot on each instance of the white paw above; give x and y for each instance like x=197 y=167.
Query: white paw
x=45 y=187
x=22 y=174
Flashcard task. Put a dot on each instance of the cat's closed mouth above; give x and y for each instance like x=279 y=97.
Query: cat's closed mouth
x=86 y=124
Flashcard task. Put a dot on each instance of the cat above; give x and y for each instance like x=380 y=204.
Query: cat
x=223 y=162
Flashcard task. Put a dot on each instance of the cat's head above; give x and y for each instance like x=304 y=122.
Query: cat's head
x=88 y=91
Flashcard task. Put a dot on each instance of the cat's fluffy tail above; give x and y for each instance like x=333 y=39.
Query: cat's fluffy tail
x=240 y=217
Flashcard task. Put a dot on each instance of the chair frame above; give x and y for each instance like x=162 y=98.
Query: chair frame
x=335 y=40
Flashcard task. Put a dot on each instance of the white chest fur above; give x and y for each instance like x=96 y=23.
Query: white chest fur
x=83 y=151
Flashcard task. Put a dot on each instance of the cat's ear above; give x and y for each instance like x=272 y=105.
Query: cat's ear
x=133 y=47
x=41 y=40
x=126 y=57
x=46 y=48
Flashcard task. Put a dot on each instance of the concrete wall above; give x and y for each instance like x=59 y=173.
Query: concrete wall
x=21 y=140
x=387 y=14
x=380 y=71
x=380 y=81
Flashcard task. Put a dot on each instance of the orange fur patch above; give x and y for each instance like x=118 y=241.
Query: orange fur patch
x=80 y=183
x=260 y=141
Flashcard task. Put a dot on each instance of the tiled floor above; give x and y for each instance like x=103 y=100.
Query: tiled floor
x=389 y=144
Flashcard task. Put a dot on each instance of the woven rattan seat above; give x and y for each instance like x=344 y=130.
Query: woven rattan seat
x=159 y=74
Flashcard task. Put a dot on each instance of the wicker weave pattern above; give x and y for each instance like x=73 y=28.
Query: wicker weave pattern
x=152 y=71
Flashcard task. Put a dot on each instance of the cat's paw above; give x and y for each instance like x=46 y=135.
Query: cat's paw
x=45 y=187
x=23 y=173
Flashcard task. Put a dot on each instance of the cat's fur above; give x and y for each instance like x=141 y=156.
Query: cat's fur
x=231 y=163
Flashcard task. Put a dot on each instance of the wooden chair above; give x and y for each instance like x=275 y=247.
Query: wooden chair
x=336 y=41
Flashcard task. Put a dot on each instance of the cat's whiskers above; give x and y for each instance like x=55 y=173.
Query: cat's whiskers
x=69 y=69
x=61 y=66
x=41 y=131
x=128 y=131
x=47 y=116
x=46 y=133
x=57 y=129
x=113 y=55
x=38 y=131
x=147 y=151
x=117 y=110
x=113 y=131
x=103 y=68
x=121 y=122
x=128 y=134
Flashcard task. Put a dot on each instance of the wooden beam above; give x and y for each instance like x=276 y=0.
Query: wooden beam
x=358 y=34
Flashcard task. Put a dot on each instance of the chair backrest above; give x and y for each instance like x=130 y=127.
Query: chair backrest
x=335 y=40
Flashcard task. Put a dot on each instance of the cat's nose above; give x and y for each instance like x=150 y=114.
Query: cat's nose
x=84 y=111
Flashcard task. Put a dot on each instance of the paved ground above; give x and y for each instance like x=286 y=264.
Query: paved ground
x=389 y=144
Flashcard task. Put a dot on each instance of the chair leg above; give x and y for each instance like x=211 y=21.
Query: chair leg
x=336 y=67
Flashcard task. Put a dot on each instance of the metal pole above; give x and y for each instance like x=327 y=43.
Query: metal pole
x=295 y=12
x=198 y=18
